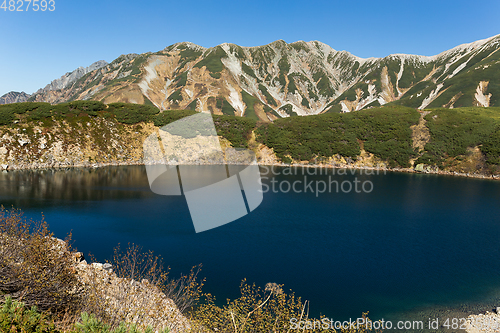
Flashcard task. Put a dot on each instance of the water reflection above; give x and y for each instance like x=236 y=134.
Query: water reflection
x=19 y=188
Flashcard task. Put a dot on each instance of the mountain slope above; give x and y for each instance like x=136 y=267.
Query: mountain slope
x=280 y=80
x=14 y=97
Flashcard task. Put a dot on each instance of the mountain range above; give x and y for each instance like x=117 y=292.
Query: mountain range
x=280 y=80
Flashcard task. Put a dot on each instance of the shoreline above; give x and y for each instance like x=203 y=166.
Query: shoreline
x=8 y=168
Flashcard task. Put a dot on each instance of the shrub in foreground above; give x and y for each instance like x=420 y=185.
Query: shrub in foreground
x=15 y=317
x=34 y=266
x=257 y=310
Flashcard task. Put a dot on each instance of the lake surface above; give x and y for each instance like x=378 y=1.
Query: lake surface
x=414 y=242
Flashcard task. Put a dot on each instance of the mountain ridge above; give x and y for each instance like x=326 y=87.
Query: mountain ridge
x=279 y=79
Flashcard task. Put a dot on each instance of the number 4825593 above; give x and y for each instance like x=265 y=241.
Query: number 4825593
x=26 y=5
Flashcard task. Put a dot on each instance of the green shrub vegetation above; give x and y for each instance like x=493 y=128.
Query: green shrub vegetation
x=385 y=132
x=213 y=61
x=325 y=87
x=270 y=100
x=132 y=113
x=454 y=130
x=181 y=80
x=299 y=46
x=169 y=116
x=176 y=96
x=491 y=147
x=284 y=65
x=292 y=88
x=237 y=50
x=91 y=324
x=225 y=106
x=235 y=129
x=249 y=101
x=189 y=54
x=248 y=70
x=215 y=75
x=192 y=105
x=6 y=115
x=305 y=102
x=288 y=108
x=16 y=317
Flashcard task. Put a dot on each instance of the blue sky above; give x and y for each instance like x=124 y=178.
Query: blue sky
x=38 y=47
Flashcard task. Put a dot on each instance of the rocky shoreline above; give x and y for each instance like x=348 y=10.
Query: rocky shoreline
x=488 y=322
x=384 y=169
x=138 y=302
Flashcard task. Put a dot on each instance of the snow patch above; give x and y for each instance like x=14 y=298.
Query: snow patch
x=381 y=101
x=369 y=99
x=483 y=100
x=464 y=47
x=458 y=69
x=344 y=107
x=432 y=96
x=400 y=74
x=231 y=62
x=165 y=92
x=151 y=74
x=235 y=100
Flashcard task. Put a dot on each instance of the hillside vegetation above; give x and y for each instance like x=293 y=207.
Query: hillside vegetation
x=460 y=140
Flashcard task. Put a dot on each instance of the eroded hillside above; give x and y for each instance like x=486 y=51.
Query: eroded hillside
x=280 y=80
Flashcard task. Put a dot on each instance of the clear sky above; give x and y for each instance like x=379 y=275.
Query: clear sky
x=37 y=47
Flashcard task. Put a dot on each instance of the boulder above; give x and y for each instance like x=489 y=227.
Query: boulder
x=78 y=256
x=23 y=142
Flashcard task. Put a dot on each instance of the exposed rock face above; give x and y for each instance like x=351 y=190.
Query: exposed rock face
x=280 y=79
x=141 y=303
x=14 y=97
x=71 y=77
x=132 y=301
x=94 y=143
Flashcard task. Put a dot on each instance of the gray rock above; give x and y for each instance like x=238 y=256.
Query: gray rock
x=14 y=97
x=22 y=142
x=107 y=267
x=71 y=77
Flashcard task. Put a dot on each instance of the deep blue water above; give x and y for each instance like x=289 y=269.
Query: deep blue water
x=415 y=241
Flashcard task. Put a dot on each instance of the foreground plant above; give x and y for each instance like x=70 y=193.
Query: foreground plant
x=35 y=266
x=16 y=317
x=139 y=291
x=90 y=324
x=258 y=310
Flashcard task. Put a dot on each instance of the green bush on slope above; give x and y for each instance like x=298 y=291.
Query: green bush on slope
x=384 y=132
x=454 y=130
x=15 y=317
